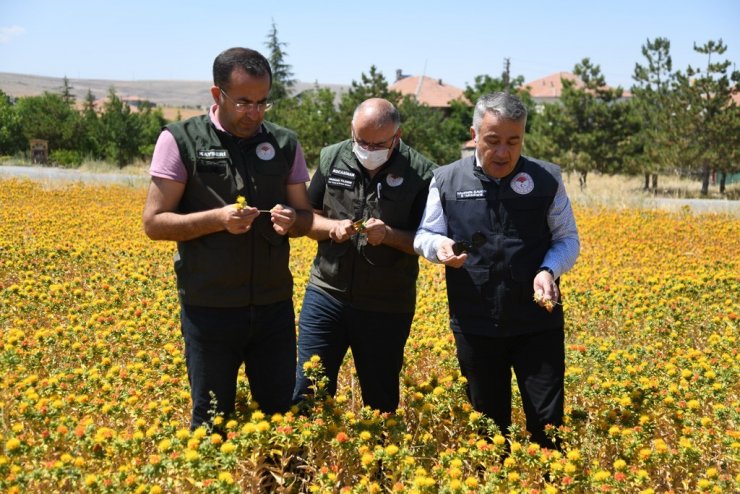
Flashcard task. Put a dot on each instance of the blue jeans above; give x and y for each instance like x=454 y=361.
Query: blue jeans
x=329 y=327
x=219 y=340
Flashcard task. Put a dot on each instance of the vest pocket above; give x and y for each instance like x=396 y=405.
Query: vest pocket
x=523 y=279
x=211 y=167
x=470 y=291
x=528 y=218
x=212 y=263
x=328 y=261
x=213 y=174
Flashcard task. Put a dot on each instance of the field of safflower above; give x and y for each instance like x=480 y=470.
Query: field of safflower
x=95 y=394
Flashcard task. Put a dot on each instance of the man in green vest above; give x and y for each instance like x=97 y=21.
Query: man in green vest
x=233 y=280
x=369 y=194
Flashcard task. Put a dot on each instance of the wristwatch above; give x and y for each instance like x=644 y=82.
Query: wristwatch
x=545 y=268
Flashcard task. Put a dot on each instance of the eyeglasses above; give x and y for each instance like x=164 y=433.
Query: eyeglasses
x=242 y=107
x=478 y=240
x=374 y=146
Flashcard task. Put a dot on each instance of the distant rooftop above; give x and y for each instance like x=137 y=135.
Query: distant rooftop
x=427 y=90
x=549 y=88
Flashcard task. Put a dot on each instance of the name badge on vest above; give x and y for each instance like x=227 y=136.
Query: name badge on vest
x=212 y=160
x=343 y=179
x=213 y=154
x=470 y=194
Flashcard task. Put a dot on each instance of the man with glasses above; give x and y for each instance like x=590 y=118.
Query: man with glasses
x=233 y=280
x=503 y=226
x=368 y=195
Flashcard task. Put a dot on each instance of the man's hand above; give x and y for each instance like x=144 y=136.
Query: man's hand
x=238 y=221
x=546 y=292
x=283 y=218
x=446 y=255
x=341 y=231
x=375 y=230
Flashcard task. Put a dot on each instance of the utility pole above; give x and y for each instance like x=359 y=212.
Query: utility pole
x=421 y=81
x=506 y=75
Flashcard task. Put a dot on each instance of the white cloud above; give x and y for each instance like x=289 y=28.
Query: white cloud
x=9 y=32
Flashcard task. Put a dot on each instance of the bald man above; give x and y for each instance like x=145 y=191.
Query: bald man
x=368 y=197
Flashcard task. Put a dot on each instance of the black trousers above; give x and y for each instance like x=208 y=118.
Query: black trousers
x=218 y=341
x=538 y=360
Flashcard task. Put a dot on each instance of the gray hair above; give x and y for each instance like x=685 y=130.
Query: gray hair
x=384 y=112
x=504 y=105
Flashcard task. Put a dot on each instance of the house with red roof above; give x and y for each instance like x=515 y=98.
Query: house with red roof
x=427 y=90
x=548 y=89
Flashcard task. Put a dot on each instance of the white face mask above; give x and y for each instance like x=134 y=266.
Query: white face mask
x=370 y=159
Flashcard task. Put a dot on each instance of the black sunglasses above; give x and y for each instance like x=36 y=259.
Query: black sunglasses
x=477 y=240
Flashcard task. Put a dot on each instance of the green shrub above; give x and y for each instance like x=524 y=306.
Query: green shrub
x=66 y=158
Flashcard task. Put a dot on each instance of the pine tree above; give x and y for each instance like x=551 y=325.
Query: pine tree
x=707 y=117
x=373 y=85
x=66 y=91
x=653 y=100
x=590 y=128
x=282 y=75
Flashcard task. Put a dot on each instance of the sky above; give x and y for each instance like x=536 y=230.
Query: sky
x=335 y=42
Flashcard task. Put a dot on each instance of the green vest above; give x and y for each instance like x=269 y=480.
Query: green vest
x=222 y=269
x=377 y=278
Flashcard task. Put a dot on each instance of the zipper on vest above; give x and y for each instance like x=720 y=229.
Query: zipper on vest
x=250 y=189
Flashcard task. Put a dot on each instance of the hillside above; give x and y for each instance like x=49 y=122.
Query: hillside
x=163 y=93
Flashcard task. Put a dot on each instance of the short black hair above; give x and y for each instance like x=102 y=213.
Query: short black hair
x=250 y=61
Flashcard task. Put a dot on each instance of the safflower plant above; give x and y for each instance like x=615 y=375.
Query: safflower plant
x=95 y=393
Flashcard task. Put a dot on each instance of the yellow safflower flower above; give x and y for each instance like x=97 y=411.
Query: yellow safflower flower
x=226 y=478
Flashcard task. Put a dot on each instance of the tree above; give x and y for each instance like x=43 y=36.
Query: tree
x=151 y=120
x=121 y=131
x=314 y=113
x=66 y=91
x=48 y=117
x=652 y=102
x=373 y=85
x=282 y=76
x=461 y=112
x=705 y=121
x=589 y=129
x=428 y=131
x=11 y=137
x=90 y=142
x=728 y=122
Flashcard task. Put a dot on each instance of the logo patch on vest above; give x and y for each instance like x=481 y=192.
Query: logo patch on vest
x=265 y=151
x=522 y=183
x=213 y=154
x=470 y=194
x=344 y=179
x=393 y=180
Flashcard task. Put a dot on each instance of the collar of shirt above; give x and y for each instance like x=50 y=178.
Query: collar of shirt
x=479 y=167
